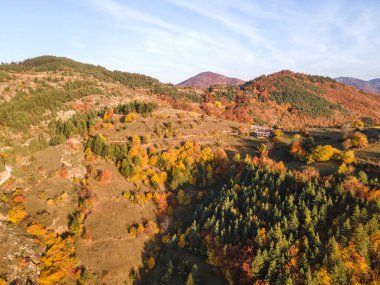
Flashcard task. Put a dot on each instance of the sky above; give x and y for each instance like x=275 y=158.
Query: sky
x=173 y=40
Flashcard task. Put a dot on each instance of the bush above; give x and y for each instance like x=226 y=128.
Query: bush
x=130 y=117
x=17 y=214
x=357 y=124
x=104 y=176
x=359 y=140
x=347 y=157
x=277 y=133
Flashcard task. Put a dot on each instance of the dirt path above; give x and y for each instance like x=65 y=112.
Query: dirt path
x=186 y=137
x=6 y=174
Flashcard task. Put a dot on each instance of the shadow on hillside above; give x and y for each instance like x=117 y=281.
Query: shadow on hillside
x=182 y=259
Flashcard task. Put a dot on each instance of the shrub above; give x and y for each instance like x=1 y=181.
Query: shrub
x=17 y=214
x=136 y=140
x=130 y=117
x=104 y=176
x=347 y=157
x=357 y=124
x=19 y=199
x=359 y=140
x=277 y=133
x=343 y=169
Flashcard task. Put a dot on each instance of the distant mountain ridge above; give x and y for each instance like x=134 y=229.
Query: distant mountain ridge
x=205 y=79
x=370 y=86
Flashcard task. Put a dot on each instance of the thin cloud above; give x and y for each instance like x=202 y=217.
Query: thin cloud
x=246 y=38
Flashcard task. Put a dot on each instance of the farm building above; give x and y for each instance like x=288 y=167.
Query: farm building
x=262 y=132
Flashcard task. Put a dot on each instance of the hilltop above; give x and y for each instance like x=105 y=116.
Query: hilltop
x=370 y=86
x=206 y=79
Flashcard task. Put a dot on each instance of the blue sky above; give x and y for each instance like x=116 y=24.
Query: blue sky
x=175 y=39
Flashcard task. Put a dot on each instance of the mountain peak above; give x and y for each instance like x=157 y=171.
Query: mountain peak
x=207 y=78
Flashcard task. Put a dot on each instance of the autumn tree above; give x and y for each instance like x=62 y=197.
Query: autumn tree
x=104 y=176
x=347 y=157
x=359 y=140
x=321 y=153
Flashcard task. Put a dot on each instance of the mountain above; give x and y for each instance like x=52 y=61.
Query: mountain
x=370 y=86
x=293 y=100
x=205 y=79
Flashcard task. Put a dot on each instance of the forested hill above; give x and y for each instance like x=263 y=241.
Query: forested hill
x=53 y=63
x=314 y=95
x=292 y=100
x=36 y=90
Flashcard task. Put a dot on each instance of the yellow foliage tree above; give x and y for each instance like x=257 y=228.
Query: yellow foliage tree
x=130 y=117
x=153 y=160
x=57 y=261
x=277 y=133
x=342 y=169
x=152 y=228
x=359 y=140
x=321 y=153
x=357 y=124
x=136 y=140
x=17 y=214
x=108 y=115
x=323 y=277
x=209 y=174
x=150 y=262
x=58 y=258
x=182 y=240
x=165 y=239
x=347 y=157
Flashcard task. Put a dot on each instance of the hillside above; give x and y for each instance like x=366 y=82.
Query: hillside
x=315 y=95
x=206 y=79
x=110 y=177
x=292 y=100
x=370 y=86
